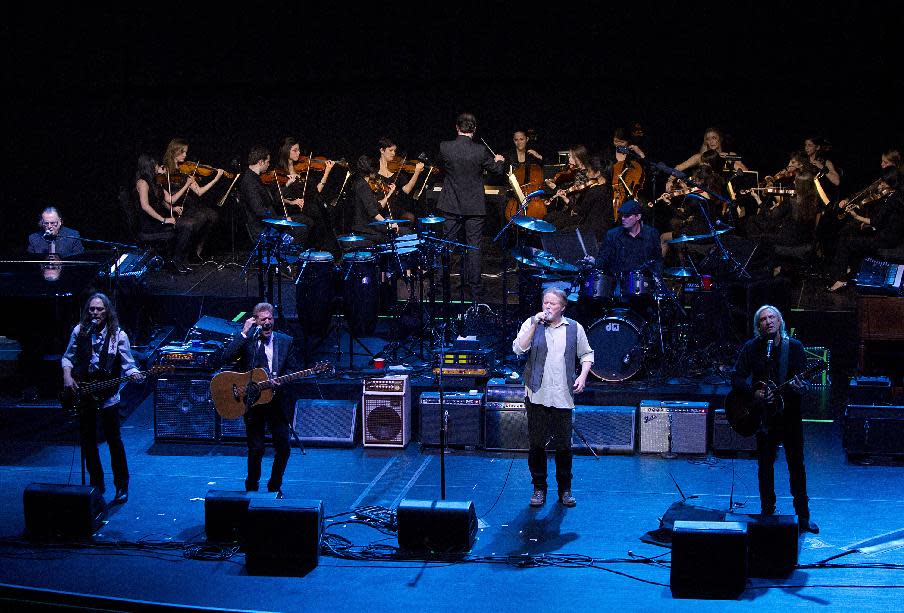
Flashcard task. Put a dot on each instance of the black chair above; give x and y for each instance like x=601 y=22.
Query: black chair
x=159 y=242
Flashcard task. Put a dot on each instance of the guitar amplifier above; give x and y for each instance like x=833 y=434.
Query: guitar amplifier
x=463 y=426
x=386 y=411
x=183 y=409
x=869 y=390
x=606 y=429
x=726 y=439
x=505 y=390
x=505 y=426
x=189 y=357
x=874 y=430
x=675 y=426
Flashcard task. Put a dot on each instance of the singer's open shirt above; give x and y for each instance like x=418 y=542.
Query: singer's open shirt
x=555 y=389
x=99 y=342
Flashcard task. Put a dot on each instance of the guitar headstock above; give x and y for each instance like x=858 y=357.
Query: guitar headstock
x=813 y=369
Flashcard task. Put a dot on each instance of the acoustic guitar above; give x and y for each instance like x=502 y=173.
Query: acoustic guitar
x=233 y=393
x=746 y=413
x=98 y=390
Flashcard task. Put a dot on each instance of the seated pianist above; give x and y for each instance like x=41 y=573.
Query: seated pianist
x=54 y=239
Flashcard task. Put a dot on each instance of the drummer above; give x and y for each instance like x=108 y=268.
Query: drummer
x=631 y=254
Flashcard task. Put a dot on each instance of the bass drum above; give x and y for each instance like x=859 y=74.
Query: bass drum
x=617 y=343
x=315 y=291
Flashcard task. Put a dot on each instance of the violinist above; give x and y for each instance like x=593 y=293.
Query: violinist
x=157 y=211
x=256 y=198
x=575 y=172
x=389 y=171
x=462 y=201
x=175 y=156
x=369 y=198
x=586 y=205
x=295 y=189
x=818 y=149
x=688 y=218
x=713 y=140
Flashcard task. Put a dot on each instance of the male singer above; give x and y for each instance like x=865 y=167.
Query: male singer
x=771 y=355
x=53 y=237
x=261 y=347
x=554 y=345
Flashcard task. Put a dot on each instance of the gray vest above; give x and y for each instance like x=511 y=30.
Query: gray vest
x=536 y=360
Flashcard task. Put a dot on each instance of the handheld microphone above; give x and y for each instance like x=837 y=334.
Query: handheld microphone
x=49 y=237
x=254 y=331
x=769 y=348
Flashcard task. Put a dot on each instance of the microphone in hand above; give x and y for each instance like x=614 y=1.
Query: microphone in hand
x=49 y=237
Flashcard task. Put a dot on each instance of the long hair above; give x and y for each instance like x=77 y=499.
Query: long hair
x=805 y=203
x=581 y=154
x=282 y=158
x=147 y=171
x=173 y=149
x=756 y=317
x=112 y=317
x=717 y=131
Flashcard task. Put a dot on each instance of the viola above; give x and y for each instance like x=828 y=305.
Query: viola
x=306 y=163
x=190 y=168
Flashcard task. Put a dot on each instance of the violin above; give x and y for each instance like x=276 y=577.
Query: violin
x=566 y=175
x=278 y=176
x=580 y=186
x=203 y=170
x=173 y=179
x=405 y=165
x=775 y=191
x=305 y=163
x=378 y=185
x=784 y=173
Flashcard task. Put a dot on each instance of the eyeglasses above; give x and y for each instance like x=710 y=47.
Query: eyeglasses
x=51 y=224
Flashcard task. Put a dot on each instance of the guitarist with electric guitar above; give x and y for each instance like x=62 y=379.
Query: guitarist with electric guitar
x=758 y=405
x=98 y=351
x=260 y=347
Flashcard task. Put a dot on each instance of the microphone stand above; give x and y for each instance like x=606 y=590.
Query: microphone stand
x=115 y=248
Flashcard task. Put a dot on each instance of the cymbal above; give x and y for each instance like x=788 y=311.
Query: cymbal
x=431 y=219
x=679 y=272
x=350 y=238
x=533 y=225
x=386 y=222
x=285 y=223
x=550 y=276
x=698 y=237
x=553 y=263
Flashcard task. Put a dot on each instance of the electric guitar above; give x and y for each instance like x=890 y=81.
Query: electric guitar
x=746 y=413
x=98 y=390
x=233 y=393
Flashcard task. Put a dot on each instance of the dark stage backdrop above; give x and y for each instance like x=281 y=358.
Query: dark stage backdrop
x=87 y=93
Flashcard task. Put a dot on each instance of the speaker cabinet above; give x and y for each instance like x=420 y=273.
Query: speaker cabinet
x=709 y=559
x=874 y=430
x=869 y=390
x=326 y=423
x=725 y=439
x=183 y=409
x=386 y=412
x=607 y=429
x=436 y=525
x=773 y=544
x=505 y=426
x=225 y=513
x=282 y=536
x=675 y=426
x=463 y=427
x=67 y=511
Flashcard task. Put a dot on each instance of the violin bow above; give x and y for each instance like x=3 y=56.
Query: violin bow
x=282 y=198
x=231 y=185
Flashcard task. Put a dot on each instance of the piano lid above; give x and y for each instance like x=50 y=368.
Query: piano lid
x=36 y=275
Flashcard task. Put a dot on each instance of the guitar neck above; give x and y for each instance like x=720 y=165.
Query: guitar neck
x=286 y=378
x=99 y=385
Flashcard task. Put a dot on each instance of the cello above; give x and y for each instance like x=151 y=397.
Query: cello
x=526 y=177
x=627 y=178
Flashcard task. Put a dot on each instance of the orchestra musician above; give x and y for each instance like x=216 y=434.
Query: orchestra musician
x=883 y=229
x=158 y=210
x=256 y=198
x=626 y=175
x=771 y=355
x=205 y=217
x=369 y=199
x=817 y=149
x=462 y=201
x=99 y=349
x=687 y=217
x=54 y=238
x=402 y=205
x=589 y=206
x=713 y=140
x=578 y=157
x=295 y=189
x=522 y=153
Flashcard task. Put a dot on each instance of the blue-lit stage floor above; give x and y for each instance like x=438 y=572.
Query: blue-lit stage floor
x=586 y=558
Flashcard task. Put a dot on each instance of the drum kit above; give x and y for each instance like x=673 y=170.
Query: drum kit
x=638 y=317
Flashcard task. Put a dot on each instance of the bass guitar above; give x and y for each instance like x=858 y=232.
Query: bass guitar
x=745 y=412
x=99 y=390
x=233 y=393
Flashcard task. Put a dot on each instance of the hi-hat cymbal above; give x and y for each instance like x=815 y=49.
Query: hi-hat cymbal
x=386 y=222
x=533 y=225
x=285 y=223
x=679 y=272
x=529 y=256
x=431 y=219
x=553 y=263
x=350 y=238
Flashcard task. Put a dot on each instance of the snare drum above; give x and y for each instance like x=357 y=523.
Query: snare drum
x=315 y=291
x=360 y=291
x=637 y=283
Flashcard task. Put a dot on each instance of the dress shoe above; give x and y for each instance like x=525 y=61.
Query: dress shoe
x=806 y=525
x=122 y=495
x=538 y=499
x=567 y=500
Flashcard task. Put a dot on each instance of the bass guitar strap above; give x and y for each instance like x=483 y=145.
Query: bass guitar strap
x=783 y=359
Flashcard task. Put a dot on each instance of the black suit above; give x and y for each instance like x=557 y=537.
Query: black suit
x=67 y=243
x=276 y=414
x=462 y=200
x=257 y=201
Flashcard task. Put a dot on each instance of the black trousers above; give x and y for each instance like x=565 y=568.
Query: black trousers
x=548 y=425
x=110 y=421
x=473 y=230
x=272 y=416
x=786 y=428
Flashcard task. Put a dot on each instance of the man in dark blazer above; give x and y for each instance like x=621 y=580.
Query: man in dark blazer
x=462 y=201
x=260 y=347
x=53 y=237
